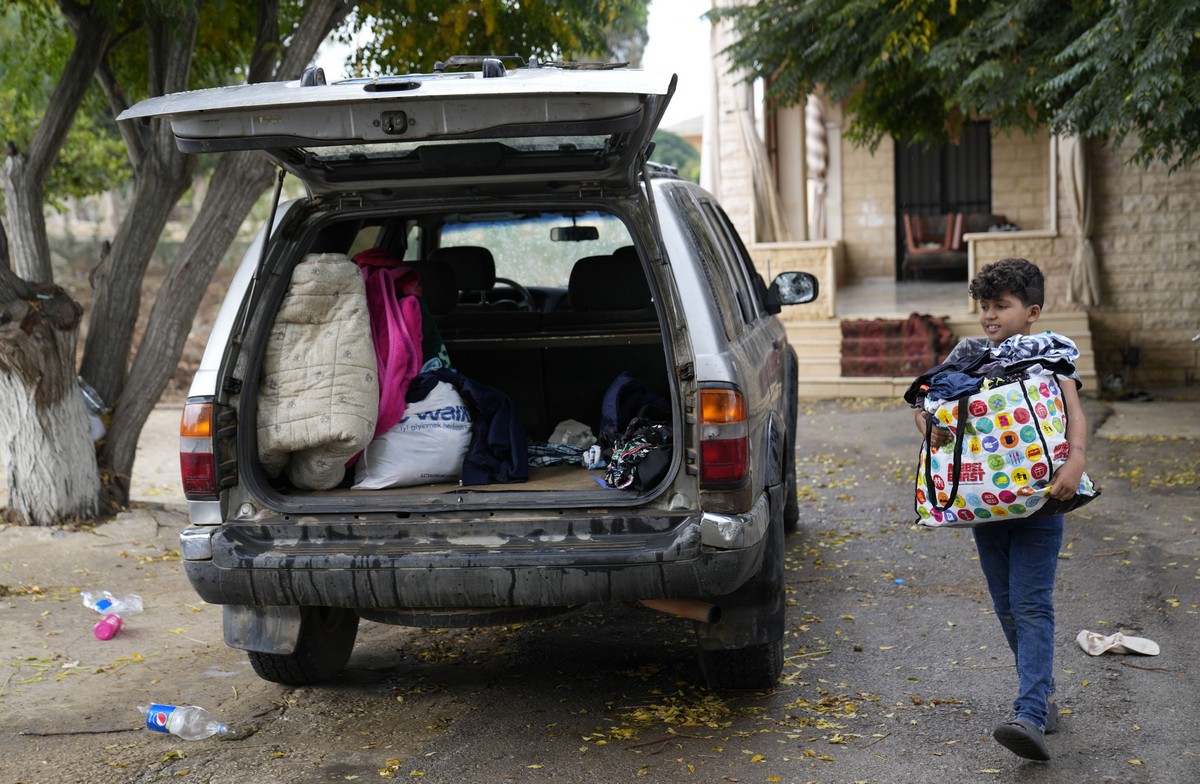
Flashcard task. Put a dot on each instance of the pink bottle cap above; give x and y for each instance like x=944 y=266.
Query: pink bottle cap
x=107 y=627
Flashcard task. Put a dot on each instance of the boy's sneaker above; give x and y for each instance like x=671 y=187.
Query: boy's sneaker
x=1023 y=738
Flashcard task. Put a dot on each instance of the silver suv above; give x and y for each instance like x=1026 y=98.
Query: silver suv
x=614 y=402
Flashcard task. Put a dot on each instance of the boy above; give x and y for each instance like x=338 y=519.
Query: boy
x=1019 y=556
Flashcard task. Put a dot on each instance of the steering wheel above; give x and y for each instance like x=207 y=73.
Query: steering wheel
x=526 y=302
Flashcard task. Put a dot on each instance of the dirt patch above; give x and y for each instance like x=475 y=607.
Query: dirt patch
x=69 y=702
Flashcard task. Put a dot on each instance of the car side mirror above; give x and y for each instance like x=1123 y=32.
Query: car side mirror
x=791 y=288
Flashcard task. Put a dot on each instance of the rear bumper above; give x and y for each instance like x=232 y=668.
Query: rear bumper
x=401 y=565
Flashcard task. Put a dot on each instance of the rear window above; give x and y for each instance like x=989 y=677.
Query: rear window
x=524 y=249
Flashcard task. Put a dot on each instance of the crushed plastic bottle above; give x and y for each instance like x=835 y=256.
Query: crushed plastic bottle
x=113 y=609
x=190 y=722
x=104 y=603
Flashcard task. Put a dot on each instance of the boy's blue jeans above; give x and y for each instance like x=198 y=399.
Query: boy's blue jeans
x=1019 y=558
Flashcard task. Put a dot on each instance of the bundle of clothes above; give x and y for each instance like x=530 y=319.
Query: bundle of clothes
x=634 y=447
x=352 y=361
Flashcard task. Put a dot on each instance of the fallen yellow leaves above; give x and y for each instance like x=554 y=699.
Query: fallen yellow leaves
x=678 y=709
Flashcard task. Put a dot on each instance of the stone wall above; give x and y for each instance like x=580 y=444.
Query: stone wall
x=1021 y=178
x=869 y=210
x=1147 y=239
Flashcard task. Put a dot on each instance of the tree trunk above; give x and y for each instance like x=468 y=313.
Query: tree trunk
x=162 y=176
x=236 y=184
x=160 y=182
x=44 y=434
x=239 y=179
x=25 y=171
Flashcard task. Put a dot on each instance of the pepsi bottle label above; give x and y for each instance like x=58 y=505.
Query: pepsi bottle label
x=158 y=716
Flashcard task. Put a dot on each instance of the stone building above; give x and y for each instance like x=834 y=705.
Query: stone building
x=804 y=198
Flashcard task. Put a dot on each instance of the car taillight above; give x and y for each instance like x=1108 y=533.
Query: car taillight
x=197 y=464
x=724 y=442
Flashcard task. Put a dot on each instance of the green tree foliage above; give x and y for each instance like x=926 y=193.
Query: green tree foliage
x=915 y=69
x=671 y=149
x=93 y=157
x=412 y=35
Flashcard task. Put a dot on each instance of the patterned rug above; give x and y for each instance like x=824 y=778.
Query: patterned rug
x=894 y=347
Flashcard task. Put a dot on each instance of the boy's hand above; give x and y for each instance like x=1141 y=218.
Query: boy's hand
x=938 y=437
x=1066 y=478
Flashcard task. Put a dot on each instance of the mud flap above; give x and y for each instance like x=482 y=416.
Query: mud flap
x=262 y=629
x=754 y=613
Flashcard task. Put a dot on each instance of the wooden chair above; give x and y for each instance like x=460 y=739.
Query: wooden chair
x=933 y=245
x=922 y=236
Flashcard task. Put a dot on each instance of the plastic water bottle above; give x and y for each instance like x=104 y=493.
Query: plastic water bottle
x=190 y=722
x=112 y=608
x=107 y=627
x=104 y=603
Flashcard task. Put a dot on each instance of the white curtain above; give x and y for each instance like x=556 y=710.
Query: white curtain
x=816 y=147
x=769 y=222
x=1085 y=273
x=768 y=213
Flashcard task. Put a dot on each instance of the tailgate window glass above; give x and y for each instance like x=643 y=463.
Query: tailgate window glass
x=525 y=248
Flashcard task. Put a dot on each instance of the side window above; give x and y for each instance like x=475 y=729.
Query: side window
x=752 y=288
x=713 y=262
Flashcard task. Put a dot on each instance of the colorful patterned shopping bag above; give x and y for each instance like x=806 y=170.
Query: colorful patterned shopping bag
x=1008 y=441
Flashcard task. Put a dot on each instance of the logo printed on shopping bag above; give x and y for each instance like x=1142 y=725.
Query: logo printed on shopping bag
x=968 y=474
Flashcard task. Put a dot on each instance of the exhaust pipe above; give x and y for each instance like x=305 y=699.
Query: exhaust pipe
x=691 y=609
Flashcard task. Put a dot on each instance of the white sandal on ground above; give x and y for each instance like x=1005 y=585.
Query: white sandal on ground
x=1096 y=644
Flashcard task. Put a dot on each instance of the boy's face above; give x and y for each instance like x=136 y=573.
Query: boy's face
x=1005 y=316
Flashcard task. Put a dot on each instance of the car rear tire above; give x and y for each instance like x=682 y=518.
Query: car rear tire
x=326 y=640
x=791 y=503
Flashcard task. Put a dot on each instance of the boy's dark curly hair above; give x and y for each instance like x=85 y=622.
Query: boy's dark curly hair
x=1019 y=277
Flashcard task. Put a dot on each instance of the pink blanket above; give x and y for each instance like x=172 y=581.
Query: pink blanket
x=395 y=329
